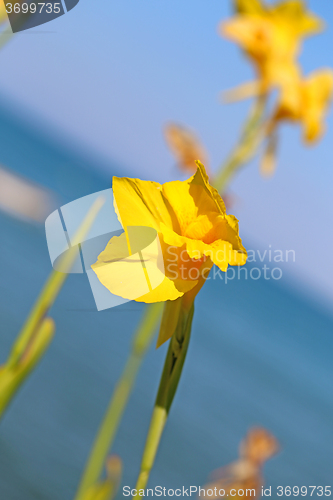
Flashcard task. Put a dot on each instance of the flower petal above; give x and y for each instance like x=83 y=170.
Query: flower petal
x=317 y=94
x=201 y=178
x=249 y=7
x=300 y=19
x=189 y=200
x=222 y=252
x=140 y=203
x=139 y=276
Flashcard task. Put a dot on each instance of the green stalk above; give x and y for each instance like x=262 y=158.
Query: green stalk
x=51 y=290
x=246 y=149
x=11 y=379
x=38 y=330
x=171 y=374
x=106 y=434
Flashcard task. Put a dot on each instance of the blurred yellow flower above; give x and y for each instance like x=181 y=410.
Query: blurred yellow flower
x=193 y=229
x=246 y=473
x=185 y=146
x=270 y=36
x=306 y=102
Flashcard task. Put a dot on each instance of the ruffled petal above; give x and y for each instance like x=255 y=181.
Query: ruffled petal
x=201 y=178
x=189 y=199
x=222 y=252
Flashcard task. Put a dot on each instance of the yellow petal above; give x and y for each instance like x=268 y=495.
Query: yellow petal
x=125 y=273
x=228 y=231
x=140 y=276
x=188 y=200
x=222 y=254
x=133 y=241
x=300 y=19
x=317 y=94
x=313 y=128
x=168 y=290
x=221 y=251
x=248 y=7
x=140 y=203
x=253 y=33
x=201 y=179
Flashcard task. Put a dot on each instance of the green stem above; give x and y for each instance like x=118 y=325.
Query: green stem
x=246 y=149
x=171 y=374
x=119 y=399
x=51 y=290
x=11 y=379
x=157 y=424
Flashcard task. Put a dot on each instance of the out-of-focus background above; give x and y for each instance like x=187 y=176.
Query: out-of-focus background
x=86 y=97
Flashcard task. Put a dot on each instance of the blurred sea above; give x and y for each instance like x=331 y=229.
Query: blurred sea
x=260 y=355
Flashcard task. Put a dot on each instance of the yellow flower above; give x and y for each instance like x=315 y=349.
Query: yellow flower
x=271 y=37
x=306 y=102
x=193 y=229
x=185 y=146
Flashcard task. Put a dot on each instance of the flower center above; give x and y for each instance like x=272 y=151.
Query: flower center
x=205 y=228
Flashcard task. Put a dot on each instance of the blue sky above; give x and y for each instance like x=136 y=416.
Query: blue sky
x=108 y=75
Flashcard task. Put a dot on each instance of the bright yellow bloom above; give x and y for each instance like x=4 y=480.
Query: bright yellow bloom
x=306 y=102
x=186 y=147
x=193 y=230
x=271 y=37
